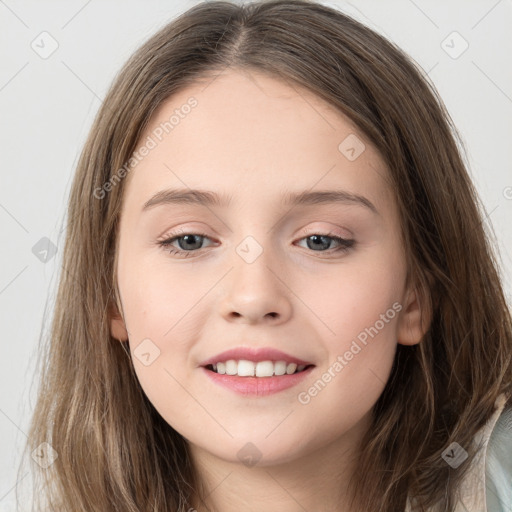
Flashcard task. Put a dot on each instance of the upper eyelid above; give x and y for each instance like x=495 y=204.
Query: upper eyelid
x=173 y=237
x=306 y=232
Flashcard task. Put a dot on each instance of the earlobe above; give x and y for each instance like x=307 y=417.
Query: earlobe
x=117 y=325
x=414 y=319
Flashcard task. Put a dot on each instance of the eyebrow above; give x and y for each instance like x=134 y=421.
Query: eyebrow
x=209 y=198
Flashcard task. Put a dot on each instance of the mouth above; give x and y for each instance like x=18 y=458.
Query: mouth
x=263 y=369
x=256 y=379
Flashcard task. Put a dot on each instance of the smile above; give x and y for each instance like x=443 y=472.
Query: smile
x=245 y=368
x=256 y=386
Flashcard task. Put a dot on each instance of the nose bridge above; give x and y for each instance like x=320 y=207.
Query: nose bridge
x=255 y=290
x=255 y=261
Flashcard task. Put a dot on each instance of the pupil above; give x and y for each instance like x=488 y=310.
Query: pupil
x=325 y=245
x=187 y=237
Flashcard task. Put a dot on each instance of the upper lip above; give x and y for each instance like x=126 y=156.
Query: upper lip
x=255 y=355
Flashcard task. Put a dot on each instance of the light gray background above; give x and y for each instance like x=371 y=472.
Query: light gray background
x=47 y=106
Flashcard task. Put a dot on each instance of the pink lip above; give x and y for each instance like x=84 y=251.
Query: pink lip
x=255 y=355
x=258 y=386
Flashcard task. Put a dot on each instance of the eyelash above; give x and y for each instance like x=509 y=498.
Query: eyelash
x=346 y=244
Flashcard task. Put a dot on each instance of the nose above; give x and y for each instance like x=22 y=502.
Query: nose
x=256 y=291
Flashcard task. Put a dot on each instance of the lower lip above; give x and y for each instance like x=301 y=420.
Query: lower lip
x=258 y=386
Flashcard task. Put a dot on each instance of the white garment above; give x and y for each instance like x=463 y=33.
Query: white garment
x=499 y=465
x=487 y=485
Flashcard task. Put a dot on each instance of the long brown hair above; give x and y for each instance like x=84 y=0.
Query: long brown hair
x=114 y=451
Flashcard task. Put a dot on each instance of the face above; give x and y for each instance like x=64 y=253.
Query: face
x=322 y=280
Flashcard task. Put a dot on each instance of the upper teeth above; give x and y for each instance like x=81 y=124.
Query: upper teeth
x=244 y=368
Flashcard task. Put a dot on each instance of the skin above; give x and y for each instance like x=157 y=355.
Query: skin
x=256 y=138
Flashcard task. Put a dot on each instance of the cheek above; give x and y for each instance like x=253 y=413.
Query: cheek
x=359 y=308
x=161 y=312
x=353 y=296
x=160 y=300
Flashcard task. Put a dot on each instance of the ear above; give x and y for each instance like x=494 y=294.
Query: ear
x=414 y=319
x=117 y=326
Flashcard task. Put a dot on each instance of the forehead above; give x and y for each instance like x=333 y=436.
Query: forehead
x=253 y=135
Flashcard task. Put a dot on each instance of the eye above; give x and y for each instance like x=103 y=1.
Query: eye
x=190 y=244
x=323 y=241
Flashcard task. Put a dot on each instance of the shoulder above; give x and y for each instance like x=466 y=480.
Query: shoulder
x=487 y=485
x=498 y=465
